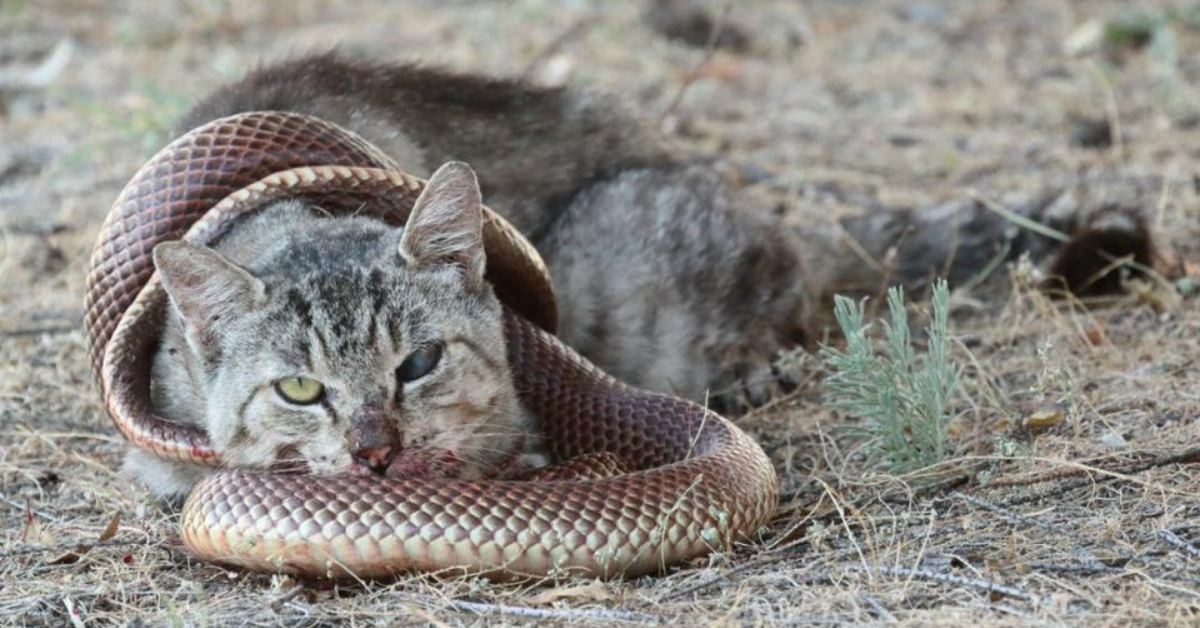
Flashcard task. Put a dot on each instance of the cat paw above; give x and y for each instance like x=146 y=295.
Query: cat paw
x=167 y=481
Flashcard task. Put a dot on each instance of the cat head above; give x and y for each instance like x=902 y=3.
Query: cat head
x=350 y=346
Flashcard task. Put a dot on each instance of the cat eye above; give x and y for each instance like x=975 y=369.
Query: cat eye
x=420 y=362
x=301 y=391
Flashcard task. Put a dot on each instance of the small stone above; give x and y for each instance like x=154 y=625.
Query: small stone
x=1084 y=39
x=1114 y=440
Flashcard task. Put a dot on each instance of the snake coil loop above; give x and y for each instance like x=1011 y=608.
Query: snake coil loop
x=701 y=482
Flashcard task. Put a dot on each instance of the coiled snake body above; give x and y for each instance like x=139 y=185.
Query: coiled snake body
x=700 y=483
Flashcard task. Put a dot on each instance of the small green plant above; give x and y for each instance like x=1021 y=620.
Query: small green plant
x=902 y=397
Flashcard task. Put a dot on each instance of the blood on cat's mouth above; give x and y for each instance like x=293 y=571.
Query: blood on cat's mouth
x=412 y=463
x=424 y=464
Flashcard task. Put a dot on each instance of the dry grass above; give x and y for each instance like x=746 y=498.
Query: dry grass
x=1093 y=520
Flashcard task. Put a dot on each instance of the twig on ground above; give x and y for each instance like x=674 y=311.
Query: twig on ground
x=844 y=520
x=938 y=487
x=1060 y=473
x=1087 y=569
x=572 y=32
x=287 y=596
x=1173 y=539
x=1017 y=219
x=74 y=612
x=1111 y=110
x=878 y=608
x=693 y=73
x=1013 y=610
x=1188 y=456
x=923 y=574
x=25 y=508
x=482 y=608
x=724 y=576
x=1018 y=518
x=858 y=250
x=70 y=546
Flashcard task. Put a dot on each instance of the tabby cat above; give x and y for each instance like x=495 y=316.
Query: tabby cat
x=340 y=345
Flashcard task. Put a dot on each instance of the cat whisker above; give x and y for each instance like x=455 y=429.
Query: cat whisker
x=290 y=465
x=498 y=432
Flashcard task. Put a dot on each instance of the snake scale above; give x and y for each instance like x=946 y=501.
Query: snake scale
x=698 y=482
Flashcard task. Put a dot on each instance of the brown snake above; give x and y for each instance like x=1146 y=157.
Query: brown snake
x=699 y=483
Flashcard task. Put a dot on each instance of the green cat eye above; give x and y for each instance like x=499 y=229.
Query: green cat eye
x=300 y=390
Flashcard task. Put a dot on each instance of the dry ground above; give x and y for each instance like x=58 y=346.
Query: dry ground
x=1090 y=521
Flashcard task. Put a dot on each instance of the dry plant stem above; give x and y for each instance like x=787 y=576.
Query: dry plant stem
x=828 y=574
x=1188 y=456
x=1020 y=519
x=744 y=567
x=72 y=546
x=878 y=608
x=1017 y=219
x=26 y=508
x=885 y=269
x=1173 y=539
x=693 y=73
x=1111 y=111
x=571 y=33
x=924 y=574
x=288 y=596
x=556 y=613
x=1074 y=568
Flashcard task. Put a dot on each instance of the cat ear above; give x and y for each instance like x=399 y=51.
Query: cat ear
x=205 y=287
x=446 y=223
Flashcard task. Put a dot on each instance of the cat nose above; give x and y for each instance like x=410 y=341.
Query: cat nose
x=376 y=459
x=376 y=438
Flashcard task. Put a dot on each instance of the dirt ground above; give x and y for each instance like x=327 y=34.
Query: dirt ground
x=1092 y=520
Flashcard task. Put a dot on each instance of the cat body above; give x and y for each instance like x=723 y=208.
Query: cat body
x=664 y=278
x=660 y=281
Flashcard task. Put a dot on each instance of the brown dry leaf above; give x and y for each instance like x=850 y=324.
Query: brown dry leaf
x=1095 y=333
x=111 y=529
x=594 y=591
x=1044 y=417
x=72 y=556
